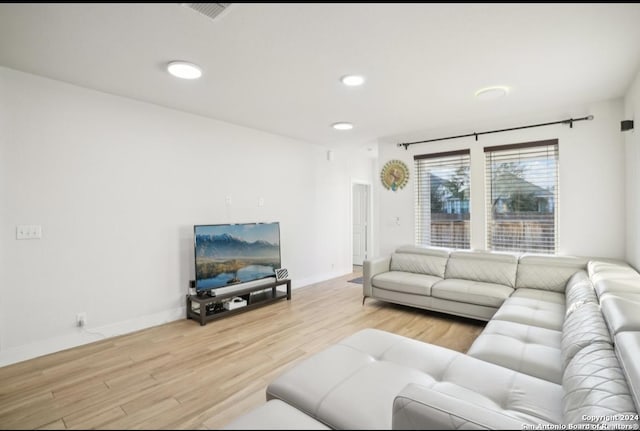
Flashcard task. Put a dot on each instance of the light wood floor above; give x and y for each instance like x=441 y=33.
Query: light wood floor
x=185 y=376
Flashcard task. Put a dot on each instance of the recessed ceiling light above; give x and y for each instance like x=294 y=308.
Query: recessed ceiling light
x=184 y=70
x=352 y=80
x=342 y=126
x=491 y=93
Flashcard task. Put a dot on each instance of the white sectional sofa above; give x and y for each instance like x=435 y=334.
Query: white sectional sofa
x=467 y=283
x=561 y=349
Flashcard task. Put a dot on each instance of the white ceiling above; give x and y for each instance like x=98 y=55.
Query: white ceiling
x=276 y=67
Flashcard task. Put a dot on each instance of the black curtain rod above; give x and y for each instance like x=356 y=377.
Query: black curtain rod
x=570 y=122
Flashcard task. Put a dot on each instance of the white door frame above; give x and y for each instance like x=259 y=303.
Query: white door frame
x=369 y=230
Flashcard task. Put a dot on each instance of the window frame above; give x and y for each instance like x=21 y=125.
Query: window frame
x=458 y=237
x=526 y=244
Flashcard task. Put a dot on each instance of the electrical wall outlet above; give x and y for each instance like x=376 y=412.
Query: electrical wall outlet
x=81 y=319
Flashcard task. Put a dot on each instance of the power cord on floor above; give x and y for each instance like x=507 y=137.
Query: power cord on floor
x=84 y=329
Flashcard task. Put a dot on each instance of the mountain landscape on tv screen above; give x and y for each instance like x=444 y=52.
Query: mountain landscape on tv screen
x=225 y=259
x=228 y=246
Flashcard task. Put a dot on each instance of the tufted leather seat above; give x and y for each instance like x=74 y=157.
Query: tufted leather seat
x=528 y=349
x=353 y=384
x=549 y=358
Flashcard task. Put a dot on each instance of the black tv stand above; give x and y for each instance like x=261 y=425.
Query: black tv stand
x=205 y=294
x=205 y=308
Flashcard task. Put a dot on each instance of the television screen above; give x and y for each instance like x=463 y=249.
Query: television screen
x=228 y=254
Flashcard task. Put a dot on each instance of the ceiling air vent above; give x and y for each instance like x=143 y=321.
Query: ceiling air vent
x=211 y=10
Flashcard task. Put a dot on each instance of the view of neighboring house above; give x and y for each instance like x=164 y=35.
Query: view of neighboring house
x=512 y=193
x=450 y=195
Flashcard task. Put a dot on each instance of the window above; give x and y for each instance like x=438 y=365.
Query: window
x=522 y=197
x=442 y=199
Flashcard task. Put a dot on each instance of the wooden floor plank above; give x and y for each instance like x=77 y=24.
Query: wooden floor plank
x=185 y=376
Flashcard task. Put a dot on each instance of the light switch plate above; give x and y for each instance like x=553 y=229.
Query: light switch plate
x=28 y=231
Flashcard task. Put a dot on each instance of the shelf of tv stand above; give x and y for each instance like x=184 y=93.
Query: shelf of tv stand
x=269 y=294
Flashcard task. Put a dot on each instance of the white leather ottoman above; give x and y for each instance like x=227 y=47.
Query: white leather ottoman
x=275 y=415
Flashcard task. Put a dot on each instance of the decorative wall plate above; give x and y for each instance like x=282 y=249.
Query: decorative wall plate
x=394 y=175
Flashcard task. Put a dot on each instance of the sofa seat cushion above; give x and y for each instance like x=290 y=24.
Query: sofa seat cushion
x=275 y=415
x=528 y=349
x=534 y=312
x=353 y=384
x=621 y=312
x=472 y=311
x=627 y=347
x=471 y=292
x=347 y=386
x=406 y=282
x=540 y=295
x=595 y=387
x=421 y=408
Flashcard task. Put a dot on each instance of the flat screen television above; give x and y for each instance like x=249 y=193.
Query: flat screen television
x=231 y=254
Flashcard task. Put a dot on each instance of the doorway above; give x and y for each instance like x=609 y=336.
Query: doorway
x=360 y=202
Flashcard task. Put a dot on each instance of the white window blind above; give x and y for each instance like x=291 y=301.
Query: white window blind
x=522 y=197
x=442 y=199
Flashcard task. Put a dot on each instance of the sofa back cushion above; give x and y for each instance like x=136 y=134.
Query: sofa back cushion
x=595 y=387
x=420 y=261
x=427 y=251
x=547 y=272
x=584 y=326
x=489 y=267
x=617 y=286
x=609 y=270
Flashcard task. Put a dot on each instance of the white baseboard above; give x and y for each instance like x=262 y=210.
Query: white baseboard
x=301 y=282
x=82 y=336
x=87 y=335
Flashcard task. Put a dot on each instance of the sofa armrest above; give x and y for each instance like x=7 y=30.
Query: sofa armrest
x=421 y=408
x=371 y=268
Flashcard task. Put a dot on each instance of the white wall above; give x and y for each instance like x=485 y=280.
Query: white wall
x=117 y=186
x=3 y=145
x=632 y=157
x=591 y=183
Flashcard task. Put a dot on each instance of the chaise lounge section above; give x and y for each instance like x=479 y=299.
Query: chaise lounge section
x=560 y=349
